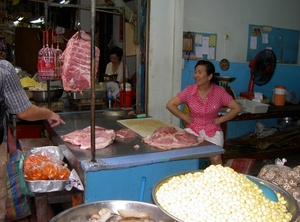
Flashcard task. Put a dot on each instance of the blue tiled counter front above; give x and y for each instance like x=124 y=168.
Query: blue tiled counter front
x=120 y=171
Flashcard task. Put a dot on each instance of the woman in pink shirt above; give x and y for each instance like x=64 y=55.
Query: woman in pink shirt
x=205 y=100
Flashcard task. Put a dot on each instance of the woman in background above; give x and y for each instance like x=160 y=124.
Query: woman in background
x=204 y=100
x=115 y=66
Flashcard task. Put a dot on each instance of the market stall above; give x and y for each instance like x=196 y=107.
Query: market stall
x=125 y=170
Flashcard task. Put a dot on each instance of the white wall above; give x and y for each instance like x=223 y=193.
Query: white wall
x=232 y=17
x=223 y=17
x=164 y=56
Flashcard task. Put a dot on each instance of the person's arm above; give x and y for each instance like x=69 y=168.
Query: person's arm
x=172 y=106
x=235 y=109
x=35 y=113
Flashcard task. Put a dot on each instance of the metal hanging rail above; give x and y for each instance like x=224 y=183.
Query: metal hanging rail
x=93 y=9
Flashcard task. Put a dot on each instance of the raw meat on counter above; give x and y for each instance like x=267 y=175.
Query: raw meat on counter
x=76 y=59
x=82 y=138
x=167 y=137
x=125 y=133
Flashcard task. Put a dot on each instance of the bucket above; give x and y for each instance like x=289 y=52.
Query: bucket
x=279 y=95
x=129 y=94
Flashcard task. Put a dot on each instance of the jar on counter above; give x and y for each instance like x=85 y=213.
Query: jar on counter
x=279 y=95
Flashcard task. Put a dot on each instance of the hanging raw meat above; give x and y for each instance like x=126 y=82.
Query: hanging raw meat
x=46 y=61
x=57 y=55
x=41 y=57
x=76 y=63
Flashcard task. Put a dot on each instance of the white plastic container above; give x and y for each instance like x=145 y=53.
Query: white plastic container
x=252 y=106
x=127 y=85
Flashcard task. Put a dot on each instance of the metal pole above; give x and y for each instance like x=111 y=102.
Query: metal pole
x=124 y=56
x=93 y=15
x=46 y=28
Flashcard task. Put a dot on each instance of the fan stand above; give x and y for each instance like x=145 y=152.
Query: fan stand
x=250 y=94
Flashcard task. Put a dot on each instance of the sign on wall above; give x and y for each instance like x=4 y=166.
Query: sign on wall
x=283 y=42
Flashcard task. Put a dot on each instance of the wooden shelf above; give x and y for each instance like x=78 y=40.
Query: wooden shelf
x=233 y=151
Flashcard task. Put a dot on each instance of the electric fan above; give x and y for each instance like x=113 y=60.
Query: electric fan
x=262 y=69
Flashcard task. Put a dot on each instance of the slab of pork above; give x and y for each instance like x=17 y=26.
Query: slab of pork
x=76 y=63
x=167 y=137
x=125 y=133
x=82 y=138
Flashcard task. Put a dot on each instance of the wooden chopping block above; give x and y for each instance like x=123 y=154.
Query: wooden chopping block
x=145 y=126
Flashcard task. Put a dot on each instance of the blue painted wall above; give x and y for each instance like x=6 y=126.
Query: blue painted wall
x=285 y=75
x=126 y=184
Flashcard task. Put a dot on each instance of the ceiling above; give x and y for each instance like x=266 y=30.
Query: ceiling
x=58 y=16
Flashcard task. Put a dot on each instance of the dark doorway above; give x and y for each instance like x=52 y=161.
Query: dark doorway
x=105 y=26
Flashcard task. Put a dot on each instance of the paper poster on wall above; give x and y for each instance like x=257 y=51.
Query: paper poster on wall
x=211 y=53
x=204 y=46
x=253 y=42
x=256 y=30
x=212 y=41
x=199 y=53
x=265 y=38
x=198 y=39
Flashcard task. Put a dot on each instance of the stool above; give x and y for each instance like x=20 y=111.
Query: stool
x=42 y=200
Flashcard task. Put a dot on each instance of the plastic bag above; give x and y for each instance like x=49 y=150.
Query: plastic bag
x=285 y=177
x=74 y=181
x=17 y=203
x=291 y=97
x=22 y=182
x=276 y=173
x=44 y=165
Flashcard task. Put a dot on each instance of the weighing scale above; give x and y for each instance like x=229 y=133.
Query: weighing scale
x=224 y=80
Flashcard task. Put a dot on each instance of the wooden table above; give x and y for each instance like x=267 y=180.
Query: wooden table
x=231 y=151
x=82 y=104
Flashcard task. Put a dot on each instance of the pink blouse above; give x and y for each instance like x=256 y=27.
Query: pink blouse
x=204 y=112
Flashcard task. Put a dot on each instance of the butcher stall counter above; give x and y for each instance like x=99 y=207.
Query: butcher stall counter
x=121 y=171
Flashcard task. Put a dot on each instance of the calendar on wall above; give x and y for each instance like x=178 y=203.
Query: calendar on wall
x=283 y=42
x=197 y=45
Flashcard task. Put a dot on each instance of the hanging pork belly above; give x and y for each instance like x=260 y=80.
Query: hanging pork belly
x=76 y=63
